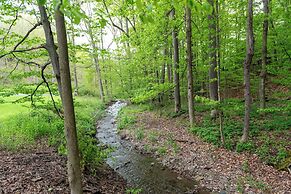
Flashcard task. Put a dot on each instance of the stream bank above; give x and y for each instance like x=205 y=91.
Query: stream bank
x=215 y=168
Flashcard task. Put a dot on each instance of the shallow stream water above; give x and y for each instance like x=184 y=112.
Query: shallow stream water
x=140 y=171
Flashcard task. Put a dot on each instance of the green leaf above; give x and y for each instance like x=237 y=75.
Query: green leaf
x=41 y=2
x=102 y=23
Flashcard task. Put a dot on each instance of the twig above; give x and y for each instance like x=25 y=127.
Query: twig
x=10 y=27
x=17 y=63
x=113 y=24
x=34 y=91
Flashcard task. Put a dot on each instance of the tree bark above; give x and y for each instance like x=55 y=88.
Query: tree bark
x=263 y=74
x=213 y=85
x=50 y=46
x=247 y=64
x=177 y=96
x=189 y=65
x=73 y=158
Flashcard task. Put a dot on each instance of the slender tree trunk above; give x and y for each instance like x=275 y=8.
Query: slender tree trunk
x=50 y=46
x=169 y=67
x=105 y=67
x=213 y=86
x=177 y=96
x=74 y=62
x=163 y=72
x=247 y=64
x=217 y=8
x=96 y=62
x=74 y=172
x=75 y=69
x=264 y=55
x=189 y=65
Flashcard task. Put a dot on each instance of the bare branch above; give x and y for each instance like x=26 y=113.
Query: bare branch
x=49 y=89
x=15 y=67
x=33 y=93
x=113 y=24
x=10 y=27
x=23 y=50
x=27 y=34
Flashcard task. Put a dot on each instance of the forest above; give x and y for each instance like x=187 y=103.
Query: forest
x=145 y=96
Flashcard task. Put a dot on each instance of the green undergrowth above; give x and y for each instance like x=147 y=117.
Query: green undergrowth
x=270 y=132
x=21 y=130
x=269 y=129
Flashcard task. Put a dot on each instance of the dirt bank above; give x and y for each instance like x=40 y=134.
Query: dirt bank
x=215 y=168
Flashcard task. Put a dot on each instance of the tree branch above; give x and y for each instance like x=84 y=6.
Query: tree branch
x=23 y=50
x=113 y=24
x=27 y=34
x=49 y=89
x=133 y=27
x=10 y=27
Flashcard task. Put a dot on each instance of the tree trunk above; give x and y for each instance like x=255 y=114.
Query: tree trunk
x=163 y=71
x=169 y=67
x=264 y=55
x=247 y=64
x=189 y=65
x=96 y=62
x=213 y=86
x=105 y=67
x=217 y=7
x=177 y=96
x=74 y=172
x=75 y=66
x=50 y=46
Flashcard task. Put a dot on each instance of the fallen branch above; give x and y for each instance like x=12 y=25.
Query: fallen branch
x=184 y=141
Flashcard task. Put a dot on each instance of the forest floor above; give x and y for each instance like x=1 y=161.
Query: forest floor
x=217 y=169
x=43 y=170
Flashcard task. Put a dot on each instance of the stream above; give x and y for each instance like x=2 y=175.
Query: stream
x=140 y=171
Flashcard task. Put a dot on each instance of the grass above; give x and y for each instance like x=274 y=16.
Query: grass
x=21 y=128
x=8 y=110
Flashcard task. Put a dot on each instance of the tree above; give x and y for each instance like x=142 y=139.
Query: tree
x=247 y=64
x=263 y=74
x=213 y=86
x=95 y=59
x=73 y=158
x=50 y=45
x=189 y=64
x=177 y=96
